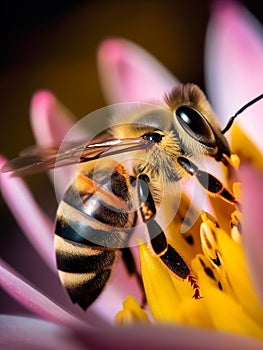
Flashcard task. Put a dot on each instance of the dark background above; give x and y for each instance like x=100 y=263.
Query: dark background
x=52 y=44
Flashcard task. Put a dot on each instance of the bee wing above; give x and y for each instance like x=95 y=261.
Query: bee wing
x=37 y=159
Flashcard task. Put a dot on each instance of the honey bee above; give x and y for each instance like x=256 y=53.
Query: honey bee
x=108 y=196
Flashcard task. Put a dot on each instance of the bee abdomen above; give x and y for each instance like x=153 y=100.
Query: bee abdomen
x=83 y=270
x=85 y=263
x=101 y=202
x=94 y=222
x=78 y=227
x=84 y=288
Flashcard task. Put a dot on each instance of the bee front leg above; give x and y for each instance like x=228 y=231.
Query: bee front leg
x=209 y=182
x=168 y=255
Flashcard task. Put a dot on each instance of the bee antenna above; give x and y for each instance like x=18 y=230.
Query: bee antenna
x=231 y=120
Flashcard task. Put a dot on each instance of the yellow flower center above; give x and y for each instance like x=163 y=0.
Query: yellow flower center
x=216 y=258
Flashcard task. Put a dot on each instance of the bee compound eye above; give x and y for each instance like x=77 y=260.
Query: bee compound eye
x=195 y=124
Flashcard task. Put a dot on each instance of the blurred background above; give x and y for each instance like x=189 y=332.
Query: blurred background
x=52 y=45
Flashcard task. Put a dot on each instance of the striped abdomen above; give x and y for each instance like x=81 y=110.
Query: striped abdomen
x=93 y=223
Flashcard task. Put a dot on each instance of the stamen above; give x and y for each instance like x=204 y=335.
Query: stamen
x=132 y=313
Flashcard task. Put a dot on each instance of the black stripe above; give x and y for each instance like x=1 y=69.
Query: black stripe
x=96 y=208
x=107 y=214
x=86 y=293
x=89 y=236
x=85 y=263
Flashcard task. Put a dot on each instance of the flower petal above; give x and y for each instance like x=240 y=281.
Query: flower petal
x=234 y=70
x=245 y=148
x=130 y=74
x=36 y=226
x=252 y=185
x=235 y=319
x=32 y=299
x=163 y=292
x=193 y=312
x=18 y=332
x=50 y=122
x=184 y=229
x=237 y=272
x=169 y=338
x=131 y=313
x=35 y=334
x=229 y=262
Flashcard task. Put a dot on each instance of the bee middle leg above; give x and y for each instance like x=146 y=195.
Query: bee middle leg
x=130 y=264
x=168 y=255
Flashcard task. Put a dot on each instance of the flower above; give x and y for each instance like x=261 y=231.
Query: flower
x=130 y=74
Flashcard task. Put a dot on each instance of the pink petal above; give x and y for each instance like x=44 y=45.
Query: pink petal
x=169 y=337
x=130 y=74
x=36 y=226
x=253 y=233
x=18 y=332
x=234 y=69
x=32 y=299
x=50 y=122
x=30 y=333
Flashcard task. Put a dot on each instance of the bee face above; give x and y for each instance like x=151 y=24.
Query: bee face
x=186 y=126
x=196 y=123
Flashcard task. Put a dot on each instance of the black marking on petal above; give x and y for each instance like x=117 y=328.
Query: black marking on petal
x=216 y=260
x=209 y=272
x=212 y=219
x=202 y=262
x=207 y=242
x=219 y=284
x=189 y=238
x=214 y=235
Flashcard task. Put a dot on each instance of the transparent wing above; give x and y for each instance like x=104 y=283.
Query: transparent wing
x=37 y=159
